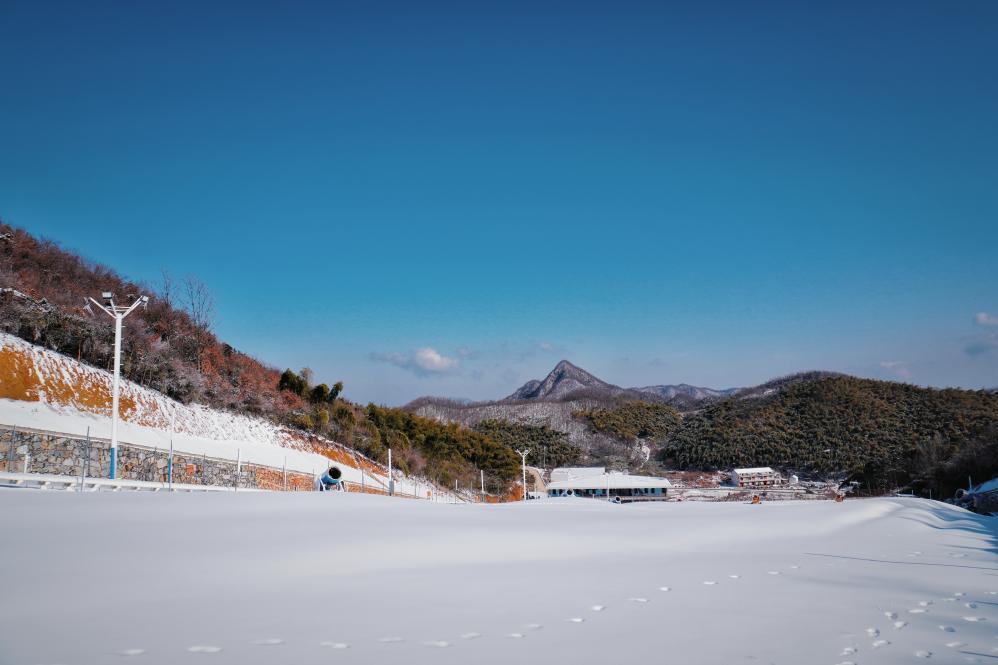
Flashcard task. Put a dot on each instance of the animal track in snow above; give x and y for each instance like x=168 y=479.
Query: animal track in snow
x=638 y=600
x=958 y=594
x=203 y=649
x=925 y=603
x=335 y=645
x=390 y=640
x=918 y=610
x=974 y=619
x=734 y=577
x=710 y=582
x=575 y=620
x=972 y=606
x=956 y=645
x=872 y=632
x=923 y=654
x=891 y=615
x=470 y=636
x=269 y=642
x=515 y=636
x=880 y=643
x=947 y=629
x=534 y=626
x=848 y=651
x=598 y=608
x=439 y=644
x=774 y=572
x=131 y=652
x=898 y=625
x=664 y=588
x=846 y=662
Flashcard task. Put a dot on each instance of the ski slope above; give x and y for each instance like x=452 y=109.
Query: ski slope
x=341 y=578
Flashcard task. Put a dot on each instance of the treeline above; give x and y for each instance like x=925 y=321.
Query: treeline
x=548 y=447
x=884 y=435
x=652 y=423
x=442 y=452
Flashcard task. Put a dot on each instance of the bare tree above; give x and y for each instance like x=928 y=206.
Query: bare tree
x=201 y=308
x=166 y=291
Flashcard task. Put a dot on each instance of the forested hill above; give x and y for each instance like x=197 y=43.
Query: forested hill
x=885 y=434
x=170 y=347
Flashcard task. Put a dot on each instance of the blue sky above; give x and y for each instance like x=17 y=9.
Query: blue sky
x=447 y=199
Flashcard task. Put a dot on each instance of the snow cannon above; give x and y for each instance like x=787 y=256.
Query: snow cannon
x=330 y=479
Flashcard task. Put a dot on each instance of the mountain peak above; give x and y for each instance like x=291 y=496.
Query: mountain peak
x=563 y=380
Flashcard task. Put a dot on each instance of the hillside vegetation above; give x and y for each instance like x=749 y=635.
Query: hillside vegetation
x=170 y=347
x=886 y=435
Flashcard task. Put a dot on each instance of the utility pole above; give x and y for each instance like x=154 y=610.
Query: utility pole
x=523 y=458
x=391 y=481
x=118 y=313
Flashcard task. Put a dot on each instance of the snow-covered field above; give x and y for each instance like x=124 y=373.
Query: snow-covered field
x=341 y=578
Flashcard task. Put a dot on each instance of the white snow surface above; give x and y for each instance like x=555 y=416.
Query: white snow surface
x=332 y=577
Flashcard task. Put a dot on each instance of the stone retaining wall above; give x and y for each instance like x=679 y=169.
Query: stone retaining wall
x=49 y=452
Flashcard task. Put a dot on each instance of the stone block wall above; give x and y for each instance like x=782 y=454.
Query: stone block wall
x=49 y=452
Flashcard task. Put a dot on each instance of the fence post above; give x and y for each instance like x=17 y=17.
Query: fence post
x=204 y=459
x=10 y=450
x=285 y=472
x=239 y=467
x=85 y=460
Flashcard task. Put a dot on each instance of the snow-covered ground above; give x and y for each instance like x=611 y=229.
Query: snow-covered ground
x=285 y=578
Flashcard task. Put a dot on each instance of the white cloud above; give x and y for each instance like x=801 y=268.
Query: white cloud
x=423 y=362
x=898 y=368
x=985 y=319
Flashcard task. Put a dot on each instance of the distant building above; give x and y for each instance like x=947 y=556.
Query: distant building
x=596 y=483
x=761 y=476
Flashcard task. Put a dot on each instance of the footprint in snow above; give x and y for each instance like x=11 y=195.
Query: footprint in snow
x=774 y=572
x=923 y=654
x=204 y=649
x=925 y=603
x=390 y=640
x=438 y=644
x=515 y=636
x=470 y=636
x=710 y=582
x=957 y=555
x=534 y=626
x=335 y=645
x=846 y=662
x=734 y=577
x=598 y=608
x=131 y=652
x=872 y=632
x=974 y=619
x=918 y=610
x=972 y=606
x=664 y=588
x=958 y=594
x=947 y=629
x=898 y=625
x=575 y=620
x=638 y=600
x=956 y=645
x=848 y=651
x=795 y=567
x=269 y=642
x=880 y=643
x=891 y=615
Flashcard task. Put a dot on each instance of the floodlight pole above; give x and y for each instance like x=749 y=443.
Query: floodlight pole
x=523 y=457
x=118 y=313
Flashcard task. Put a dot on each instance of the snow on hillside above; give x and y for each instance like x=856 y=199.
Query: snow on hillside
x=41 y=389
x=283 y=578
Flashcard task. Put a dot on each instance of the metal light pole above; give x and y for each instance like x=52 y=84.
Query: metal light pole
x=523 y=456
x=118 y=313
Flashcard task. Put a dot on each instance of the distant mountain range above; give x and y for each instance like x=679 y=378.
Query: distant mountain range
x=568 y=389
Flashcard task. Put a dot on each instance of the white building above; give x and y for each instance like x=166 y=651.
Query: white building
x=761 y=476
x=596 y=483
